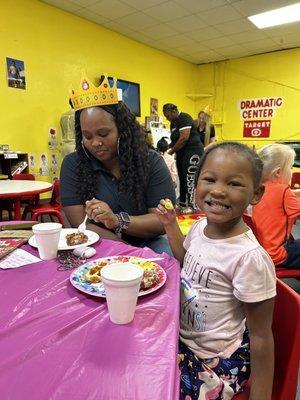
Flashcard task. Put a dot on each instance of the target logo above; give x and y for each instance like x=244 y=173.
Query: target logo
x=257 y=128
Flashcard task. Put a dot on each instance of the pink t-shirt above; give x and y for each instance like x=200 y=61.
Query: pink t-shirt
x=217 y=276
x=171 y=163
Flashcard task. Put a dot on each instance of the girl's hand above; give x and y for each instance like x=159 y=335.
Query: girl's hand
x=166 y=212
x=99 y=211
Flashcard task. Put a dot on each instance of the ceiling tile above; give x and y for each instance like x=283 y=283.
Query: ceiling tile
x=140 y=37
x=266 y=44
x=291 y=39
x=219 y=42
x=195 y=6
x=211 y=60
x=286 y=29
x=167 y=25
x=113 y=26
x=186 y=24
x=190 y=58
x=200 y=35
x=192 y=48
x=177 y=40
x=111 y=9
x=206 y=54
x=249 y=36
x=159 y=31
x=176 y=52
x=142 y=5
x=91 y=16
x=231 y=27
x=138 y=21
x=233 y=51
x=220 y=15
x=85 y=3
x=65 y=5
x=166 y=11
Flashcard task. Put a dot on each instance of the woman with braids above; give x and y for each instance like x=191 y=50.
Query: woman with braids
x=113 y=176
x=186 y=144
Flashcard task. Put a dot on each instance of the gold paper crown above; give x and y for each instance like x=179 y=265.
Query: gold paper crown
x=208 y=110
x=90 y=96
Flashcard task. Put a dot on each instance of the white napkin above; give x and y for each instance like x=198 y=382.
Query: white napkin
x=18 y=258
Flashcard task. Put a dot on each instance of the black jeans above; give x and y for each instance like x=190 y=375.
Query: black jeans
x=187 y=161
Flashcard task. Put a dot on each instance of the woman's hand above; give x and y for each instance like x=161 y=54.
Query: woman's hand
x=165 y=212
x=99 y=211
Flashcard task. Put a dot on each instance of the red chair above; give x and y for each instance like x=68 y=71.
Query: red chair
x=33 y=200
x=286 y=331
x=295 y=183
x=24 y=177
x=53 y=208
x=281 y=272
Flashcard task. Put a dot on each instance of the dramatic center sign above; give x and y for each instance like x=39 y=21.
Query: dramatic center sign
x=251 y=109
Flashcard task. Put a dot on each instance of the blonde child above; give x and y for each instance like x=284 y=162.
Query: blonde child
x=227 y=281
x=279 y=208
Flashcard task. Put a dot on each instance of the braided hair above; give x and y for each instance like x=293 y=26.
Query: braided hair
x=133 y=157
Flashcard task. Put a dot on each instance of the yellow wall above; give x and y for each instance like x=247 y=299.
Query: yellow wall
x=269 y=75
x=55 y=47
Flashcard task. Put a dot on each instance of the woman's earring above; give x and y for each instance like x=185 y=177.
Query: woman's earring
x=118 y=146
x=83 y=148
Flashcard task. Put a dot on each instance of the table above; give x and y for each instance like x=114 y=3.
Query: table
x=58 y=343
x=15 y=189
x=186 y=221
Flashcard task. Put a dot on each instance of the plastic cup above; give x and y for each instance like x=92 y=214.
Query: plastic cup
x=122 y=284
x=47 y=237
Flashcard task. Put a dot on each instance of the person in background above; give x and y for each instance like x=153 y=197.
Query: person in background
x=162 y=147
x=112 y=175
x=226 y=306
x=279 y=208
x=186 y=144
x=13 y=71
x=205 y=129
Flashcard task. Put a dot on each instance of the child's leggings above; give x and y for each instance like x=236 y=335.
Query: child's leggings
x=213 y=378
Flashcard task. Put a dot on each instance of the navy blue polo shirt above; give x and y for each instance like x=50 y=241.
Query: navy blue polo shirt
x=159 y=185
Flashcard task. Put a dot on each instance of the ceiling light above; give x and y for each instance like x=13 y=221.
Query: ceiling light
x=280 y=16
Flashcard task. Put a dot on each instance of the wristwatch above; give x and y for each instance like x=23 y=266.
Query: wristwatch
x=123 y=222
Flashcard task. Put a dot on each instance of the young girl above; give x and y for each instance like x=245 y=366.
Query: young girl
x=279 y=208
x=227 y=281
x=162 y=147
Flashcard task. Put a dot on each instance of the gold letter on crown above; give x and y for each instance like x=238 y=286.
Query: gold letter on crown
x=90 y=96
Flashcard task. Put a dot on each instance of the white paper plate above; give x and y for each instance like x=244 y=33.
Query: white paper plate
x=93 y=237
x=97 y=289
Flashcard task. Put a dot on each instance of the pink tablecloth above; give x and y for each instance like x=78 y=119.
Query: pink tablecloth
x=58 y=343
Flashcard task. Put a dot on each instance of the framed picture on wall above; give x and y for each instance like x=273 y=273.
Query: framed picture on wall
x=15 y=70
x=130 y=94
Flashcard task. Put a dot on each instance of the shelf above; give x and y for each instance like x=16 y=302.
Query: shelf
x=196 y=96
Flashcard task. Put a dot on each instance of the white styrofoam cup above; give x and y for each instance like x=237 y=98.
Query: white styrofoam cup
x=47 y=237
x=122 y=285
